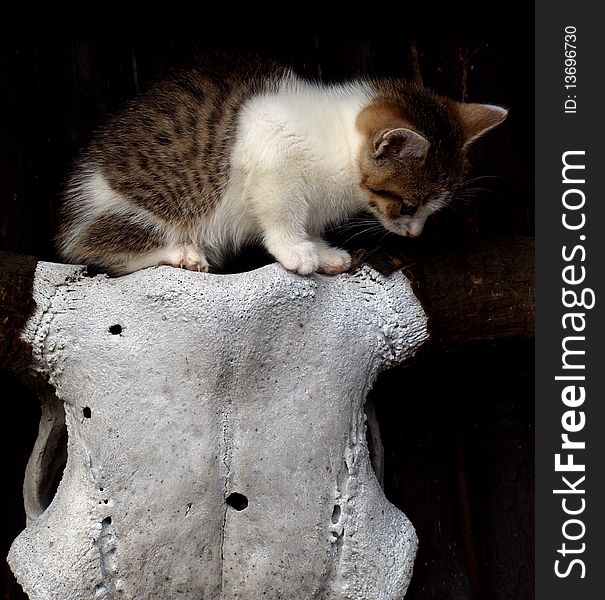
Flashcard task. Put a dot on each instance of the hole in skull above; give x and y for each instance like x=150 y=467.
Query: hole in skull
x=237 y=501
x=374 y=441
x=336 y=514
x=54 y=473
x=106 y=521
x=51 y=452
x=115 y=329
x=86 y=412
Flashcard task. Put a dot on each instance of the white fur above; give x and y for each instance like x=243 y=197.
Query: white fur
x=294 y=171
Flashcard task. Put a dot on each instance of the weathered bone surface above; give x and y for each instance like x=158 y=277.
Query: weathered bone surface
x=188 y=395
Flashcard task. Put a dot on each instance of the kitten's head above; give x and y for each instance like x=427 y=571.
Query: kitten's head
x=412 y=158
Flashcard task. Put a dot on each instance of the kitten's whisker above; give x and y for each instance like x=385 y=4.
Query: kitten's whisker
x=451 y=207
x=377 y=245
x=481 y=189
x=469 y=201
x=481 y=177
x=369 y=231
x=468 y=198
x=356 y=225
x=350 y=225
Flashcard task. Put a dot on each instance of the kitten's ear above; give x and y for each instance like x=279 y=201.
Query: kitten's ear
x=401 y=143
x=477 y=119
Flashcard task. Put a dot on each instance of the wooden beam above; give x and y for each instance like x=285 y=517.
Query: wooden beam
x=478 y=291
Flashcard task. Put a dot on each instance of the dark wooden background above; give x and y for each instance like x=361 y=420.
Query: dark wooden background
x=457 y=426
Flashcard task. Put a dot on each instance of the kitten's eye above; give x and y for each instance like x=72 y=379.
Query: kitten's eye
x=406 y=209
x=388 y=195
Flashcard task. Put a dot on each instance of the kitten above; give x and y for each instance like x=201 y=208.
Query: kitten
x=222 y=155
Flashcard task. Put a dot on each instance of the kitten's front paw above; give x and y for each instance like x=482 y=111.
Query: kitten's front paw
x=333 y=261
x=302 y=258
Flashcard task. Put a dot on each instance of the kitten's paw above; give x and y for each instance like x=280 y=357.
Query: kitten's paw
x=186 y=257
x=333 y=261
x=193 y=260
x=302 y=258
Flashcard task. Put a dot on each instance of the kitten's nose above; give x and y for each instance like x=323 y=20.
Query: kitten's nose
x=415 y=227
